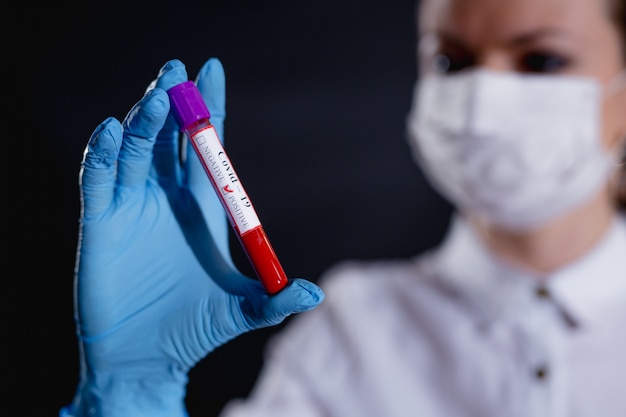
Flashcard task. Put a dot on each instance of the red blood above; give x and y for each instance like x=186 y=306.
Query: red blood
x=264 y=260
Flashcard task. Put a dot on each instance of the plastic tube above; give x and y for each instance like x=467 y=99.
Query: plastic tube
x=193 y=117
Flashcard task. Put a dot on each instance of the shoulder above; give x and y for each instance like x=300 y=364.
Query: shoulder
x=362 y=298
x=376 y=297
x=369 y=307
x=367 y=283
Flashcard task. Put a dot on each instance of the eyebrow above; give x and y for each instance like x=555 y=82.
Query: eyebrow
x=451 y=40
x=535 y=35
x=521 y=39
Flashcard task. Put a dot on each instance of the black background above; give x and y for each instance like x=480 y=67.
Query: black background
x=317 y=97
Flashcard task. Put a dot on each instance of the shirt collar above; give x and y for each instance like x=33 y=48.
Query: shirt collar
x=490 y=286
x=595 y=284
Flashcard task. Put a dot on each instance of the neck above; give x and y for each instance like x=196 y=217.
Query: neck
x=555 y=244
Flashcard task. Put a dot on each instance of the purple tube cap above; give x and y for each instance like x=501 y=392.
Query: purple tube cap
x=187 y=104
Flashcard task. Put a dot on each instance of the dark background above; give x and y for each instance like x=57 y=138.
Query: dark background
x=317 y=97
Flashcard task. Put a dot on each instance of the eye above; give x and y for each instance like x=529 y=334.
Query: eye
x=544 y=62
x=450 y=63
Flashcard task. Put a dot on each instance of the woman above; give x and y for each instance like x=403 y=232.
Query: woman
x=519 y=119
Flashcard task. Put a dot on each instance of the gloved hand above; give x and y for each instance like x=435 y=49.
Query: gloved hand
x=155 y=287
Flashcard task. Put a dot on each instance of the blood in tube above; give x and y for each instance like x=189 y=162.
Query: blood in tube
x=193 y=117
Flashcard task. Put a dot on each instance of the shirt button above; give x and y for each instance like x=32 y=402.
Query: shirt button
x=542 y=292
x=541 y=373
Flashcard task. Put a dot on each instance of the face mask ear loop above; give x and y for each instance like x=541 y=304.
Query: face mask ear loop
x=622 y=163
x=621 y=180
x=617 y=84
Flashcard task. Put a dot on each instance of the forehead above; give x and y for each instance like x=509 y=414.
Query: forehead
x=476 y=19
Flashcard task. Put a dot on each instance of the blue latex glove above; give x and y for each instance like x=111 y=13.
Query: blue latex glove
x=155 y=287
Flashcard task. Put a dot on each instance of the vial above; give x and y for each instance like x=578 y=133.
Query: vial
x=193 y=117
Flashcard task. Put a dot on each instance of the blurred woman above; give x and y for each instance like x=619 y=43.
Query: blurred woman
x=519 y=119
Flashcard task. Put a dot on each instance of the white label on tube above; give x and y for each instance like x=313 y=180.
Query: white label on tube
x=225 y=178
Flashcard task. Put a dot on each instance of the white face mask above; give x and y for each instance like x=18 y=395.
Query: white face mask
x=516 y=150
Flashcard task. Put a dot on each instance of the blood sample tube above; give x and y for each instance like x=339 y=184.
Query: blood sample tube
x=193 y=118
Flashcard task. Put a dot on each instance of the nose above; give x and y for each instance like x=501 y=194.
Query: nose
x=495 y=60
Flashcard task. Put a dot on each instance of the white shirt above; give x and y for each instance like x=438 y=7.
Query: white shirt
x=455 y=332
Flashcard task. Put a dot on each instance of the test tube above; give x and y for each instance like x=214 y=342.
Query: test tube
x=193 y=117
